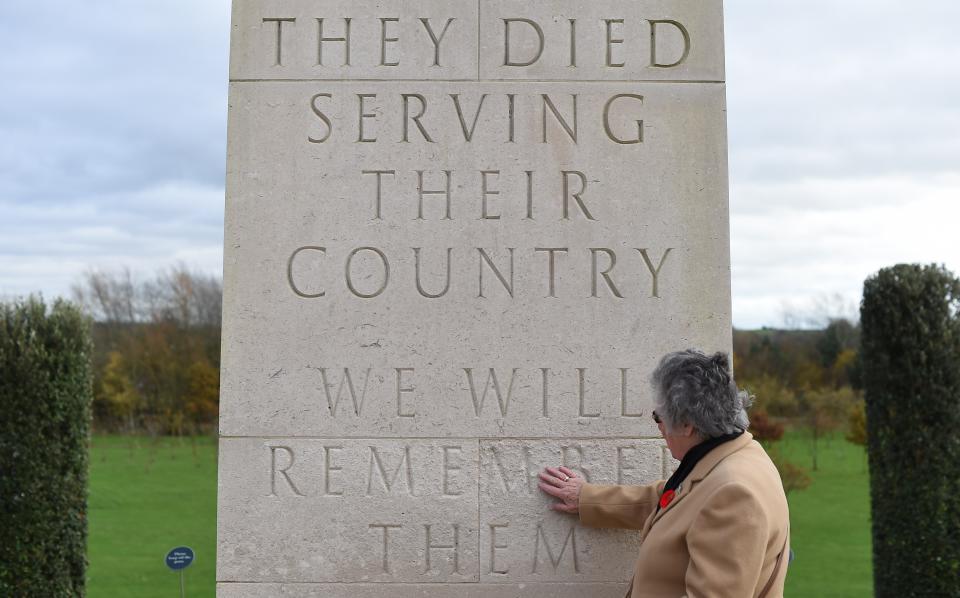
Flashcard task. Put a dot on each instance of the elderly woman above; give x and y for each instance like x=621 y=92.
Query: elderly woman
x=719 y=527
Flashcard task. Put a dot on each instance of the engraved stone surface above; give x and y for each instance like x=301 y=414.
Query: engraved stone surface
x=521 y=540
x=652 y=217
x=380 y=503
x=350 y=39
x=459 y=236
x=602 y=40
x=296 y=590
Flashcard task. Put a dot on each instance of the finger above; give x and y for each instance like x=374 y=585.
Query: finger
x=551 y=490
x=551 y=480
x=568 y=472
x=563 y=507
x=556 y=473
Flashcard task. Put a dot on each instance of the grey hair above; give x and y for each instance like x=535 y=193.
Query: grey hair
x=693 y=388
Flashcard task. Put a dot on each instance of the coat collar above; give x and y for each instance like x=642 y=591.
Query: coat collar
x=714 y=457
x=700 y=471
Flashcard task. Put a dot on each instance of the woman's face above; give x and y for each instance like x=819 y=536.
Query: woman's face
x=679 y=440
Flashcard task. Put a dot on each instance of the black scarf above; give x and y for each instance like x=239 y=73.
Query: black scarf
x=693 y=457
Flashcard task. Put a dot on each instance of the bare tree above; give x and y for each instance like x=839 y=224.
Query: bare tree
x=157 y=346
x=819 y=311
x=109 y=296
x=187 y=297
x=176 y=293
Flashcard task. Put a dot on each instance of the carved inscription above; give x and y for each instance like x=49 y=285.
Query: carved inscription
x=511 y=468
x=344 y=469
x=388 y=481
x=494 y=545
x=388 y=41
x=447 y=510
x=347 y=471
x=551 y=551
x=522 y=540
x=482 y=392
x=569 y=540
x=459 y=234
x=281 y=471
x=453 y=547
x=334 y=39
x=418 y=118
x=351 y=469
x=600 y=272
x=524 y=41
x=563 y=196
x=484 y=197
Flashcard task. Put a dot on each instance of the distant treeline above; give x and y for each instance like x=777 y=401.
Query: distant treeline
x=157 y=358
x=156 y=350
x=803 y=379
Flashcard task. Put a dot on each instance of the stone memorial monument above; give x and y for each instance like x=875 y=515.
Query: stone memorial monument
x=459 y=236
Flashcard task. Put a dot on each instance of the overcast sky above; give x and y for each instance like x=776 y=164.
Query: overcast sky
x=844 y=143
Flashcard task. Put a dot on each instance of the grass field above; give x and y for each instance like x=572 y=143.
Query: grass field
x=830 y=522
x=150 y=495
x=146 y=497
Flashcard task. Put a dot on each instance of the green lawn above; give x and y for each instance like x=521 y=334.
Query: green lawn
x=830 y=521
x=147 y=496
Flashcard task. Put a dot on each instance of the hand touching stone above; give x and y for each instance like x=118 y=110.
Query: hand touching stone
x=564 y=484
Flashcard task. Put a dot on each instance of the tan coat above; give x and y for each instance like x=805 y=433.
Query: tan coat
x=721 y=535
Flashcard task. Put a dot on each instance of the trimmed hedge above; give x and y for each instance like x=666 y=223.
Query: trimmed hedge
x=911 y=374
x=45 y=398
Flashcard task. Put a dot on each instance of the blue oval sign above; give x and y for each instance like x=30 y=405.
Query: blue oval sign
x=179 y=558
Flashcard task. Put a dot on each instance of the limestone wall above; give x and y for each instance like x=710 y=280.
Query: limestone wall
x=459 y=236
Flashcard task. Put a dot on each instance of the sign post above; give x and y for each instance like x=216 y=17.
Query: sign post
x=179 y=559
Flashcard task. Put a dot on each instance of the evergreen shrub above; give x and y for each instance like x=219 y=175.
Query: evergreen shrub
x=45 y=398
x=911 y=375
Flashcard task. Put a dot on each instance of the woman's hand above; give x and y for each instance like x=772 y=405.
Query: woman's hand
x=564 y=484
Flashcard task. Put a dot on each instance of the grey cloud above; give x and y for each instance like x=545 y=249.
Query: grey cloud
x=113 y=141
x=844 y=137
x=853 y=87
x=111 y=97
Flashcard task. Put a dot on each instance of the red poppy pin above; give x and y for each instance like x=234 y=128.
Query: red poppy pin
x=666 y=498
